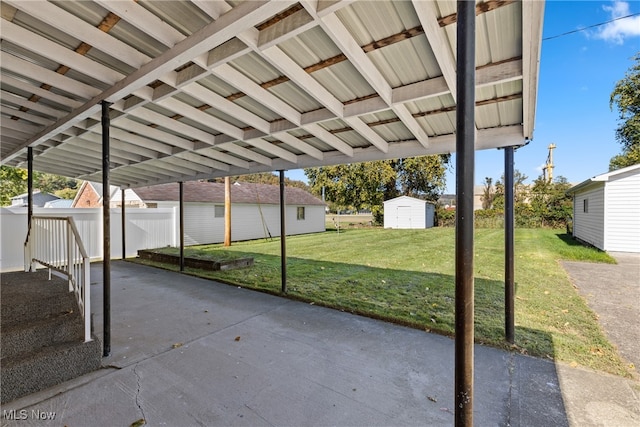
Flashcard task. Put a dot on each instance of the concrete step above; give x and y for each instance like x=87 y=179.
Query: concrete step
x=42 y=335
x=25 y=374
x=46 y=298
x=17 y=339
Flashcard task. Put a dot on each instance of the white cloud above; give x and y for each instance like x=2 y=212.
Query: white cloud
x=620 y=29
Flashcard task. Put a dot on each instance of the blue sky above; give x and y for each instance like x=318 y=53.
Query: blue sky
x=577 y=74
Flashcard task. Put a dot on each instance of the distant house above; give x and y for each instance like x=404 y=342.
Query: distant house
x=59 y=204
x=449 y=200
x=255 y=211
x=90 y=195
x=39 y=199
x=606 y=210
x=408 y=212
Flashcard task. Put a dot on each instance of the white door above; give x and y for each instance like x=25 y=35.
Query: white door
x=403 y=217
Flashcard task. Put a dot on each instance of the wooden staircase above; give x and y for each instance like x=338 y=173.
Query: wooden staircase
x=41 y=335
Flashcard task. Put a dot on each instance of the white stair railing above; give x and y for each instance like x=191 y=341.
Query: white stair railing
x=54 y=242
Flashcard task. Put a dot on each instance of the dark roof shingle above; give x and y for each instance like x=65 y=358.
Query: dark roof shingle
x=213 y=192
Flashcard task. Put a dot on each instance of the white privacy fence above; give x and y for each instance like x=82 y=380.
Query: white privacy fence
x=54 y=242
x=145 y=229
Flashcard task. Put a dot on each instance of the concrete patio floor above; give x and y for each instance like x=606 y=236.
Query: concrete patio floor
x=187 y=351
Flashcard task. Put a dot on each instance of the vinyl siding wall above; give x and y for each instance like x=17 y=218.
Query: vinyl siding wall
x=247 y=223
x=622 y=215
x=589 y=226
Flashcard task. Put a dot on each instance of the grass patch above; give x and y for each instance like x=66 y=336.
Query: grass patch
x=407 y=276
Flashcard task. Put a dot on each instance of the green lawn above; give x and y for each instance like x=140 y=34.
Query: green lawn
x=407 y=276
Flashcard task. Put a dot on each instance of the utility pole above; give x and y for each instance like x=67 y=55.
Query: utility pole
x=547 y=170
x=227 y=211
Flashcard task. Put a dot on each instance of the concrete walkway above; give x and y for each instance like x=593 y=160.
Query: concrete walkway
x=187 y=351
x=613 y=292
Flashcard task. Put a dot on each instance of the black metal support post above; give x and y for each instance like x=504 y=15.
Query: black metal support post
x=465 y=165
x=124 y=221
x=509 y=282
x=106 y=231
x=181 y=191
x=283 y=236
x=29 y=193
x=29 y=186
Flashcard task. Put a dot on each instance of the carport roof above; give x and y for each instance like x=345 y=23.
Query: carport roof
x=203 y=89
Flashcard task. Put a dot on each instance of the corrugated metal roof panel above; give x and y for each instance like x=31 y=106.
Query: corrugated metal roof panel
x=256 y=108
x=144 y=43
x=293 y=95
x=310 y=47
x=369 y=21
x=181 y=15
x=343 y=81
x=256 y=68
x=439 y=124
x=217 y=85
x=394 y=131
x=499 y=90
x=431 y=104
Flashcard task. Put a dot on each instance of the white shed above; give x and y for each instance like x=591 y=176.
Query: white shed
x=606 y=210
x=408 y=212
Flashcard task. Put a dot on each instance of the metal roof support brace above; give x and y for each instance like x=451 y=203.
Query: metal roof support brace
x=464 y=253
x=283 y=236
x=106 y=233
x=181 y=197
x=509 y=286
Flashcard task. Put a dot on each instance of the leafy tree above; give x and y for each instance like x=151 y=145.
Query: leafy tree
x=67 y=193
x=520 y=191
x=13 y=181
x=549 y=201
x=627 y=158
x=487 y=194
x=49 y=183
x=355 y=185
x=626 y=98
x=366 y=185
x=421 y=177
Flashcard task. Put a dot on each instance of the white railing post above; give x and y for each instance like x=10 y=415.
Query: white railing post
x=70 y=256
x=27 y=252
x=34 y=244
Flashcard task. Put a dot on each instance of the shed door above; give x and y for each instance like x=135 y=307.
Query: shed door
x=404 y=217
